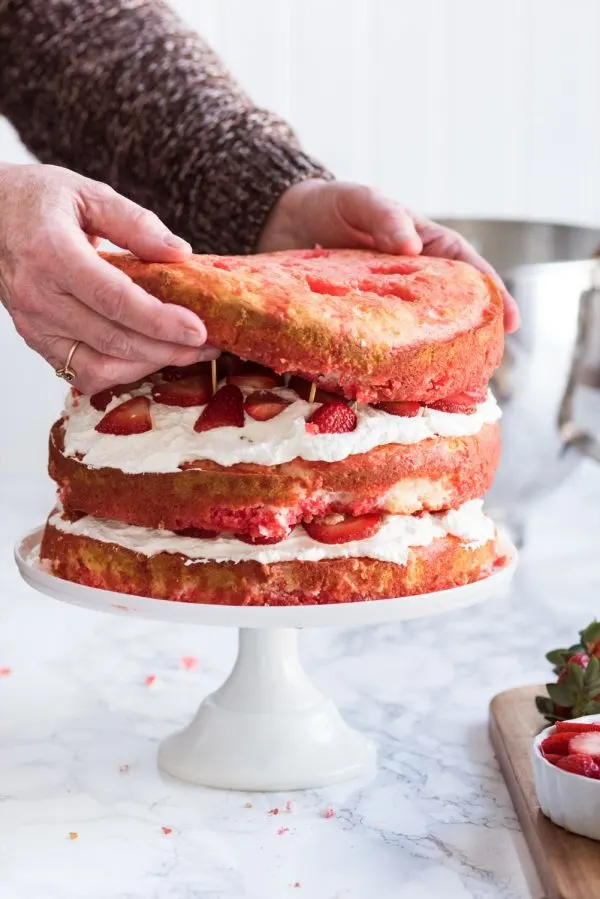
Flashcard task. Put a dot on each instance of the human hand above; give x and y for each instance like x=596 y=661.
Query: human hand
x=58 y=290
x=337 y=214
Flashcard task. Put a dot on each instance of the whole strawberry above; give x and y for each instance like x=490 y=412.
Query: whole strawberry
x=577 y=667
x=581 y=659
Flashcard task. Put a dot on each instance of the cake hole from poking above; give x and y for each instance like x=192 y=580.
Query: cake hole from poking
x=325 y=287
x=395 y=268
x=388 y=288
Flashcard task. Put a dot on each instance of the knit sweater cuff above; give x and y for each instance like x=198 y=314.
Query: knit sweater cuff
x=244 y=199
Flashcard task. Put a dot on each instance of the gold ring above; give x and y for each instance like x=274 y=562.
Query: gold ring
x=66 y=372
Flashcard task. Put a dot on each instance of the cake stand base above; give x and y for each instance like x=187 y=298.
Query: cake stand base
x=267 y=727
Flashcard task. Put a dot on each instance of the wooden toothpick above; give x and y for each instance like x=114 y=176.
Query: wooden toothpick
x=213 y=374
x=312 y=394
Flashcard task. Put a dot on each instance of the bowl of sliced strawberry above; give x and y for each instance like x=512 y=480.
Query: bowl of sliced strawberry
x=566 y=773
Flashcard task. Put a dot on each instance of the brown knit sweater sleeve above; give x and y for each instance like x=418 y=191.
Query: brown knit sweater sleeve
x=122 y=91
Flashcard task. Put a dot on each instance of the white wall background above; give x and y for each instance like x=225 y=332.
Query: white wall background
x=463 y=107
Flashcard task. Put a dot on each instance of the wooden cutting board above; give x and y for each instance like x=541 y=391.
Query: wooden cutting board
x=568 y=865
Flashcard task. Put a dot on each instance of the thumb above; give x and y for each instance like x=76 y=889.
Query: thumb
x=390 y=225
x=105 y=213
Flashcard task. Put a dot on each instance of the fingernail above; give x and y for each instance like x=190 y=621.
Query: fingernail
x=176 y=243
x=410 y=242
x=209 y=352
x=194 y=337
x=400 y=240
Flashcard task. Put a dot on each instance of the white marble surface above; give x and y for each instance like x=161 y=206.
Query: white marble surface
x=436 y=821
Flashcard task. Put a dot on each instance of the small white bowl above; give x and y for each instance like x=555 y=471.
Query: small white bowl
x=569 y=800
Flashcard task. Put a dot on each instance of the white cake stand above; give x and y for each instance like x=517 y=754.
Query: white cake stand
x=267 y=727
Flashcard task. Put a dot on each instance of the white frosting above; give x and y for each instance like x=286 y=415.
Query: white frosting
x=173 y=441
x=390 y=544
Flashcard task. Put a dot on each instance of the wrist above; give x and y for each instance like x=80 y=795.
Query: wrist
x=288 y=225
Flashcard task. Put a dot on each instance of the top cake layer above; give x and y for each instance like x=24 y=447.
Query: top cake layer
x=369 y=326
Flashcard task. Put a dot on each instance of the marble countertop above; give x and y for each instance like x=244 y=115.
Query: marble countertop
x=85 y=814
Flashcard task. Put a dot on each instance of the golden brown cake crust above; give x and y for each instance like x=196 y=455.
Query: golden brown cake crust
x=427 y=476
x=383 y=327
x=444 y=563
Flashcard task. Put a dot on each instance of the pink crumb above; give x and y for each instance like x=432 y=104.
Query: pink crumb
x=189 y=662
x=328 y=813
x=5 y=672
x=282 y=830
x=150 y=679
x=124 y=769
x=289 y=806
x=297 y=885
x=274 y=811
x=167 y=830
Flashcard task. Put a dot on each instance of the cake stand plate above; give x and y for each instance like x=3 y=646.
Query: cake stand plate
x=267 y=727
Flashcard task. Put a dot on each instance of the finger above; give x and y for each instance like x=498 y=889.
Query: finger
x=390 y=225
x=447 y=244
x=72 y=319
x=93 y=371
x=111 y=293
x=512 y=317
x=105 y=213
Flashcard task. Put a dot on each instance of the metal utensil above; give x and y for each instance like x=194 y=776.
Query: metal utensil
x=549 y=381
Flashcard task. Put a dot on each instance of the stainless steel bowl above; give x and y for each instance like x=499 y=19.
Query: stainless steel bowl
x=549 y=380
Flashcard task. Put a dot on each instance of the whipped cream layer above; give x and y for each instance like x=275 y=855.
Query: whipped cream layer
x=173 y=441
x=392 y=542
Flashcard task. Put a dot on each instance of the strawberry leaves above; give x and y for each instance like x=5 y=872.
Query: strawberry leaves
x=577 y=668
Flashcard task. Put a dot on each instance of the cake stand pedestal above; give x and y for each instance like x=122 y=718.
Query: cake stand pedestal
x=267 y=727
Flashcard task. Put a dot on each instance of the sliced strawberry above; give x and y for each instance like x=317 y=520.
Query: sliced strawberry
x=557 y=744
x=344 y=528
x=256 y=381
x=194 y=391
x=131 y=417
x=177 y=373
x=263 y=405
x=332 y=418
x=577 y=727
x=303 y=388
x=101 y=400
x=258 y=540
x=405 y=409
x=585 y=744
x=465 y=402
x=553 y=759
x=254 y=376
x=197 y=533
x=225 y=410
x=584 y=765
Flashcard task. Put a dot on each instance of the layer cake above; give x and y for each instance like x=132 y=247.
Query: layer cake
x=251 y=487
